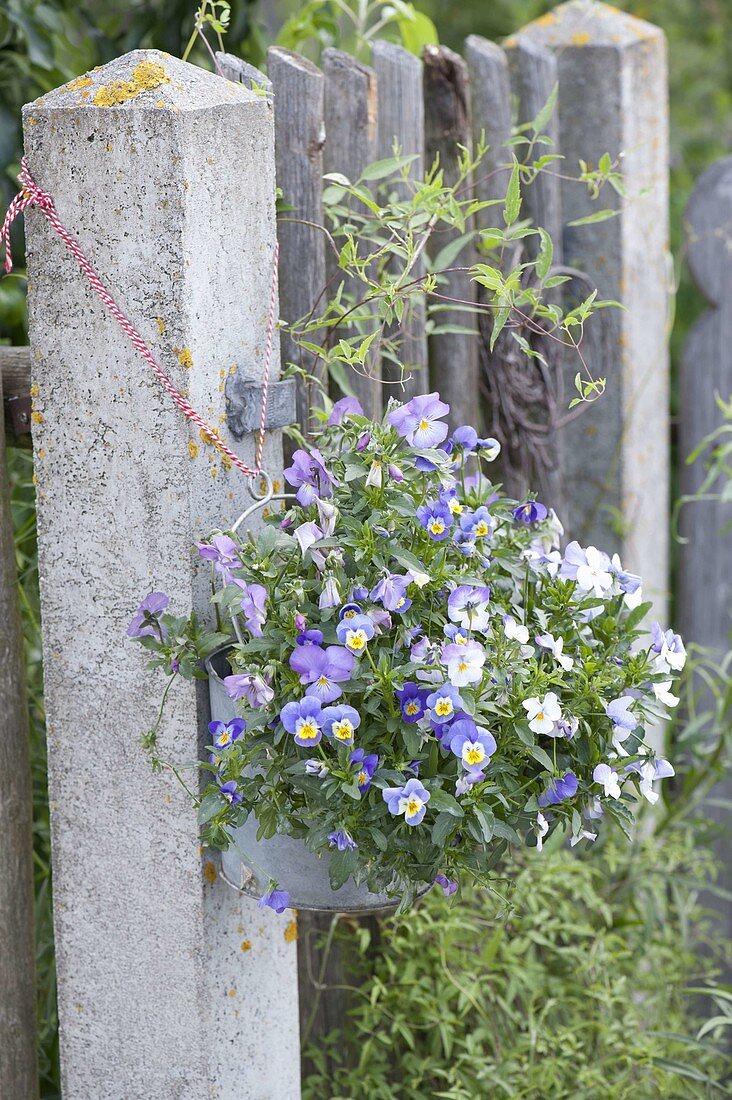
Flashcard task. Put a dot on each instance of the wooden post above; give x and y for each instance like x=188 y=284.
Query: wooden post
x=490 y=101
x=18 y=1066
x=705 y=558
x=453 y=356
x=299 y=139
x=171 y=986
x=613 y=98
x=401 y=122
x=351 y=141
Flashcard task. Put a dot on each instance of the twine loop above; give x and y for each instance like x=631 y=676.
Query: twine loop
x=33 y=195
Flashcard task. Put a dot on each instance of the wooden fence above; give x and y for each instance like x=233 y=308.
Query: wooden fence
x=200 y=986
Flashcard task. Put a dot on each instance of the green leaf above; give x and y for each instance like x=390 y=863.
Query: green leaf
x=417 y=32
x=637 y=615
x=512 y=205
x=539 y=124
x=380 y=169
x=341 y=866
x=499 y=321
x=546 y=253
x=447 y=255
x=598 y=216
x=443 y=826
x=443 y=802
x=487 y=821
x=210 y=805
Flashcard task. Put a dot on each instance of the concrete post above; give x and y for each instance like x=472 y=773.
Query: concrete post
x=613 y=98
x=169 y=986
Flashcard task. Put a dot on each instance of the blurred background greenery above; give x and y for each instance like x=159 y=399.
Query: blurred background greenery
x=617 y=952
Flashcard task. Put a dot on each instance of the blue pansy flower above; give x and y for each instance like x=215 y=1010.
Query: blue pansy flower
x=230 y=792
x=410 y=800
x=530 y=512
x=559 y=789
x=355 y=633
x=443 y=703
x=278 y=900
x=436 y=518
x=412 y=700
x=340 y=723
x=226 y=733
x=342 y=840
x=304 y=720
x=365 y=766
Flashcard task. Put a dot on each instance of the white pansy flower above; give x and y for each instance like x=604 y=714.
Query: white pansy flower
x=609 y=780
x=543 y=713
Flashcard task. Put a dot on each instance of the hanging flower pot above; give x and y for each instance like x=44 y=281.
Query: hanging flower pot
x=416 y=678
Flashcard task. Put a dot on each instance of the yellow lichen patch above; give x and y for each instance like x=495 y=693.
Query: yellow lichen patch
x=186 y=185
x=145 y=76
x=160 y=103
x=109 y=146
x=232 y=993
x=291 y=932
x=276 y=485
x=192 y=448
x=266 y=512
x=246 y=945
x=206 y=438
x=184 y=357
x=34 y=390
x=214 y=471
x=226 y=463
x=209 y=872
x=41 y=452
x=581 y=38
x=31 y=120
x=545 y=20
x=233 y=368
x=161 y=326
x=79 y=83
x=37 y=417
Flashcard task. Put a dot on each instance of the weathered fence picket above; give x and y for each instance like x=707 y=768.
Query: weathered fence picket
x=705 y=558
x=351 y=143
x=401 y=124
x=611 y=71
x=18 y=1066
x=172 y=195
x=453 y=354
x=299 y=140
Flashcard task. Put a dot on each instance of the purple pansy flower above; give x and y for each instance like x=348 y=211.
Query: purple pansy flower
x=310 y=637
x=249 y=686
x=395 y=473
x=449 y=886
x=330 y=595
x=278 y=900
x=226 y=733
x=410 y=800
x=322 y=669
x=309 y=474
x=530 y=512
x=669 y=647
x=419 y=420
x=253 y=605
x=304 y=720
x=342 y=840
x=436 y=518
x=465 y=437
x=365 y=766
x=443 y=703
x=467 y=605
x=229 y=792
x=412 y=701
x=146 y=620
x=351 y=610
x=340 y=723
x=391 y=591
x=468 y=780
x=478 y=524
x=355 y=633
x=345 y=407
x=223 y=552
x=559 y=789
x=472 y=746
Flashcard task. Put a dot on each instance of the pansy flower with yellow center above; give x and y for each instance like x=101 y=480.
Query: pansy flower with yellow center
x=464 y=663
x=443 y=703
x=226 y=733
x=412 y=700
x=355 y=633
x=340 y=723
x=304 y=720
x=472 y=746
x=436 y=518
x=364 y=765
x=410 y=800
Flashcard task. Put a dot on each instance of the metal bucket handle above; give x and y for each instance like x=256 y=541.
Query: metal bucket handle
x=261 y=496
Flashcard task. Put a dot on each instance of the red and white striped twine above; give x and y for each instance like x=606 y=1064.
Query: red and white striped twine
x=32 y=195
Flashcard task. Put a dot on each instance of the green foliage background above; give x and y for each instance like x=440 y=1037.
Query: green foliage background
x=43 y=43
